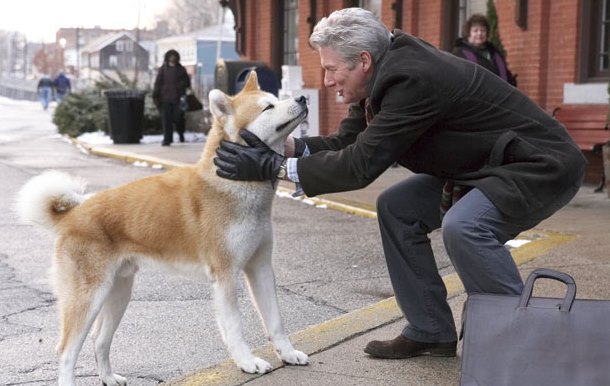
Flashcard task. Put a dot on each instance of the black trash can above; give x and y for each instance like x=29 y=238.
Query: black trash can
x=126 y=115
x=267 y=80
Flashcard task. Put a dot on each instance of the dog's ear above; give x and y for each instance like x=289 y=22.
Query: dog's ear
x=220 y=103
x=251 y=82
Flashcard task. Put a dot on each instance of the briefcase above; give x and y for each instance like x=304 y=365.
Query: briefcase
x=525 y=340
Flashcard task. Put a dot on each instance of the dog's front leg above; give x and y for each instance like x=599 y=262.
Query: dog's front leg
x=261 y=282
x=229 y=322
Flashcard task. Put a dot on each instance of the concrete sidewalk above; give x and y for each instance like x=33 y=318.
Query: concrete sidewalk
x=576 y=240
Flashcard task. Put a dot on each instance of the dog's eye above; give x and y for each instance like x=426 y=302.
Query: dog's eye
x=269 y=107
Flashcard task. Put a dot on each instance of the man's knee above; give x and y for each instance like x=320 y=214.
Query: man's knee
x=457 y=231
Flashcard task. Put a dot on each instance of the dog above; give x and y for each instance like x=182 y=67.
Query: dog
x=219 y=228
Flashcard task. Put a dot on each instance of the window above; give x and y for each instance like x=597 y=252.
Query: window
x=595 y=43
x=291 y=32
x=120 y=46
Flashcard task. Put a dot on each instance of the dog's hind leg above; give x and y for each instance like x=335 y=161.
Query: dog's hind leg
x=261 y=282
x=79 y=302
x=229 y=322
x=108 y=320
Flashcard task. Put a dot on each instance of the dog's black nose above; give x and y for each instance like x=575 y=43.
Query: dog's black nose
x=302 y=100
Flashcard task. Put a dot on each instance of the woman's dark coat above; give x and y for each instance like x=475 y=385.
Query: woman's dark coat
x=438 y=114
x=496 y=62
x=170 y=91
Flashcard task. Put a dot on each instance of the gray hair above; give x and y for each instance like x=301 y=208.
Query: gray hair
x=350 y=31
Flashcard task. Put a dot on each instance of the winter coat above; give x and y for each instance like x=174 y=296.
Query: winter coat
x=171 y=82
x=62 y=84
x=44 y=82
x=435 y=113
x=488 y=57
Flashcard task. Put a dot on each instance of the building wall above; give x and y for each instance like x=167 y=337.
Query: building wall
x=544 y=55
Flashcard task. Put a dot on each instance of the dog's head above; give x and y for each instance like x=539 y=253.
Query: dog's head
x=269 y=118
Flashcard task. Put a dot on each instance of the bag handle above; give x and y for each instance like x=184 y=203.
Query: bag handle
x=549 y=274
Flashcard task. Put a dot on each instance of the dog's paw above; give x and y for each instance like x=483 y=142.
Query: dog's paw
x=255 y=365
x=295 y=357
x=114 y=380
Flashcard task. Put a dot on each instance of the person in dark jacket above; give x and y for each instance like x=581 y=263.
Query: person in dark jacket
x=475 y=47
x=62 y=86
x=171 y=83
x=489 y=163
x=45 y=91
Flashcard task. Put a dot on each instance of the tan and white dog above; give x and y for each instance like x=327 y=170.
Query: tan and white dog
x=187 y=218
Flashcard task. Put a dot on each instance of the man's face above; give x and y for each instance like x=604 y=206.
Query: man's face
x=348 y=83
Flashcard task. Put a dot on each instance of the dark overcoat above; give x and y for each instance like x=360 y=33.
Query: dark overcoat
x=438 y=114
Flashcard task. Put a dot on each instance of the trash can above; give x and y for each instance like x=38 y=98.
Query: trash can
x=126 y=115
x=267 y=79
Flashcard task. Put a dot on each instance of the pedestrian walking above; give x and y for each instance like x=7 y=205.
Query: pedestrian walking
x=62 y=86
x=45 y=91
x=171 y=83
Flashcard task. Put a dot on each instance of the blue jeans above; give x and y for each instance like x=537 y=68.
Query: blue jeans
x=44 y=94
x=474 y=232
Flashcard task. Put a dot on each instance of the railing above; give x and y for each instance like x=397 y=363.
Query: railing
x=18 y=89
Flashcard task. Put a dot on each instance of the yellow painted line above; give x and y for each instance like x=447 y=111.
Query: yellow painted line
x=126 y=156
x=328 y=334
x=350 y=209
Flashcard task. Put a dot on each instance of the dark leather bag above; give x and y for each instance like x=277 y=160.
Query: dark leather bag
x=525 y=340
x=189 y=102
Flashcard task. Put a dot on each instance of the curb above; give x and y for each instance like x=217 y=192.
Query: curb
x=331 y=333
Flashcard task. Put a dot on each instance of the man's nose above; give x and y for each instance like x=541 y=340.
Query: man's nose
x=329 y=81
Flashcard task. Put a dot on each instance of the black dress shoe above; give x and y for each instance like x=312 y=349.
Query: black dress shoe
x=402 y=348
x=165 y=144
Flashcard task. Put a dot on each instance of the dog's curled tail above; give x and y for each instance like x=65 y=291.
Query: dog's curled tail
x=45 y=198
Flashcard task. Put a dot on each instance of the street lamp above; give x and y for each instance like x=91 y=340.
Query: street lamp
x=62 y=44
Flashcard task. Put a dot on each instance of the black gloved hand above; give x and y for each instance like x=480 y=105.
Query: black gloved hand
x=256 y=162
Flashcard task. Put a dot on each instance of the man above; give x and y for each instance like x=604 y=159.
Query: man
x=62 y=86
x=463 y=130
x=171 y=83
x=45 y=91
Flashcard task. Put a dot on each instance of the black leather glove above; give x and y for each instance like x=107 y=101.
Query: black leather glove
x=256 y=162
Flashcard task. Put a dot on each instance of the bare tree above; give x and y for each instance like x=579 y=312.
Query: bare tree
x=185 y=16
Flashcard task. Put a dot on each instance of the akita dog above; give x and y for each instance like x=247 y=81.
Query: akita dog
x=218 y=226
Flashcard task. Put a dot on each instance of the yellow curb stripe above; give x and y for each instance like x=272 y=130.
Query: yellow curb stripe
x=335 y=205
x=328 y=334
x=126 y=156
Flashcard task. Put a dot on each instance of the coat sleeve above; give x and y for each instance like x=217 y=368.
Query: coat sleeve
x=406 y=109
x=348 y=130
x=156 y=95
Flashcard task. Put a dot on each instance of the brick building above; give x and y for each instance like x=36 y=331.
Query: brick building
x=559 y=48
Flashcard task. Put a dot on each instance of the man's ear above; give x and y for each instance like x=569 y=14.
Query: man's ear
x=220 y=103
x=366 y=61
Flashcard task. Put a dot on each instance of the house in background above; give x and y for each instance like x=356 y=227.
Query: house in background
x=559 y=48
x=114 y=52
x=199 y=52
